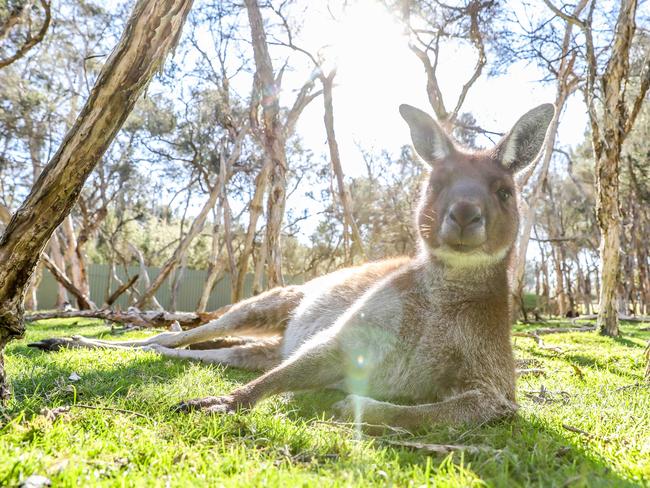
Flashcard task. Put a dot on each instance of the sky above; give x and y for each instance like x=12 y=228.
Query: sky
x=376 y=72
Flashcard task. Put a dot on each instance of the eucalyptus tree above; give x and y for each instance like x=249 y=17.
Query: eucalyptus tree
x=23 y=25
x=613 y=106
x=433 y=25
x=152 y=30
x=550 y=44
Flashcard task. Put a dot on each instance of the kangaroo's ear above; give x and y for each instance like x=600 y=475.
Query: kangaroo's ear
x=429 y=139
x=522 y=144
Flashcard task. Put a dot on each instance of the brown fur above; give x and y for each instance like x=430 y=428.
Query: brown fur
x=416 y=341
x=433 y=331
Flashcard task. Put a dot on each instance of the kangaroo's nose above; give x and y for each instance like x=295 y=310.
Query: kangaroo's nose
x=465 y=214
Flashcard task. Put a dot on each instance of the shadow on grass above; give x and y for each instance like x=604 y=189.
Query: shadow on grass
x=627 y=342
x=523 y=452
x=519 y=451
x=601 y=364
x=43 y=328
x=48 y=385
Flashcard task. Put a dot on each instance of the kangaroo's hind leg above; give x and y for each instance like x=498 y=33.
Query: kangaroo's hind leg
x=256 y=355
x=265 y=314
x=317 y=364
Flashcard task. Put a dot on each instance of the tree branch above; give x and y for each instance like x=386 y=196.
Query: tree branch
x=31 y=41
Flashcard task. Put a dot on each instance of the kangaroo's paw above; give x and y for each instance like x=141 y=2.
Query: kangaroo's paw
x=348 y=408
x=157 y=348
x=220 y=404
x=55 y=344
x=165 y=339
x=355 y=408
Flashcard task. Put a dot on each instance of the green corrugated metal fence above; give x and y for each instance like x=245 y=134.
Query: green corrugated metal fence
x=189 y=290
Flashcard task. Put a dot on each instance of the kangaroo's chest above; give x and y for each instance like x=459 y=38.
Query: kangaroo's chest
x=408 y=367
x=435 y=355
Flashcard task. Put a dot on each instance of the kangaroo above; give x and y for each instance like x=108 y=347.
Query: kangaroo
x=415 y=341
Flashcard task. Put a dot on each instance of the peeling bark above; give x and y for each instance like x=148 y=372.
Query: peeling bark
x=607 y=148
x=611 y=121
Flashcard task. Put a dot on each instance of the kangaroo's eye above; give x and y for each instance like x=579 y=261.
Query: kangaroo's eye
x=504 y=194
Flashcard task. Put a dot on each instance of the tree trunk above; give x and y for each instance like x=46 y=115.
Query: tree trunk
x=527 y=211
x=609 y=127
x=527 y=208
x=146 y=282
x=350 y=228
x=214 y=270
x=274 y=143
x=546 y=288
x=559 y=280
x=254 y=211
x=588 y=304
x=176 y=284
x=57 y=258
x=75 y=266
x=258 y=278
x=609 y=220
x=583 y=287
x=181 y=249
x=31 y=301
x=152 y=30
x=59 y=275
x=217 y=190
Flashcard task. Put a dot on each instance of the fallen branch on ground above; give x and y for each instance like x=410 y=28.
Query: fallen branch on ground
x=523 y=363
x=152 y=318
x=632 y=386
x=533 y=371
x=579 y=431
x=54 y=413
x=539 y=341
x=626 y=318
x=543 y=395
x=591 y=436
x=562 y=330
x=440 y=448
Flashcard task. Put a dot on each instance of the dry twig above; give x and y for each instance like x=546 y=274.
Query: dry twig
x=544 y=395
x=539 y=341
x=533 y=371
x=441 y=448
x=54 y=413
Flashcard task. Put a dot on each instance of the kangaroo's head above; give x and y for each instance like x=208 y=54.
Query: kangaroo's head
x=467 y=215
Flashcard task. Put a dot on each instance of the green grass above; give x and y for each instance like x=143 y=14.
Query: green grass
x=290 y=441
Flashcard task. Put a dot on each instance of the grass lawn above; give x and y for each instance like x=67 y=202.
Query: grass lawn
x=594 y=384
